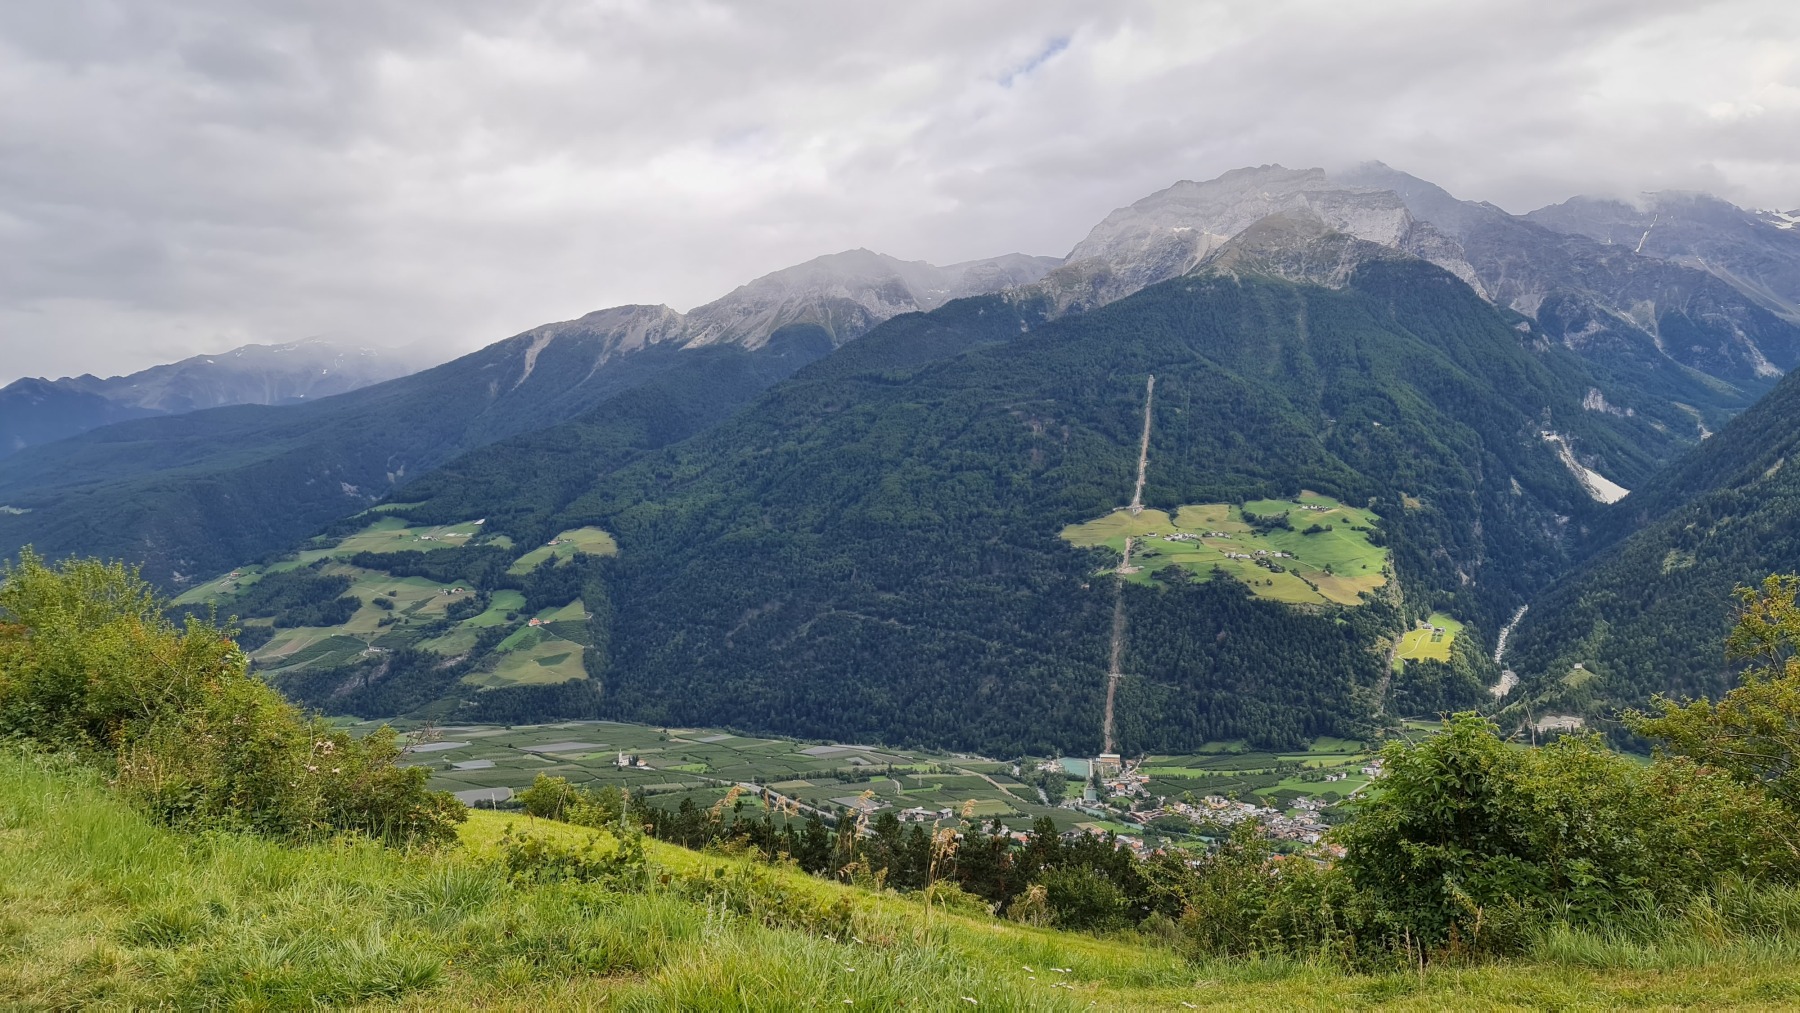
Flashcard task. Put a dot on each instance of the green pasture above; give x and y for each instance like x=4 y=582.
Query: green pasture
x=1429 y=645
x=499 y=604
x=393 y=534
x=574 y=611
x=592 y=541
x=1334 y=565
x=540 y=661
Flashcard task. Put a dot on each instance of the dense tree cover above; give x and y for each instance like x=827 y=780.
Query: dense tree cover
x=302 y=597
x=1440 y=687
x=196 y=494
x=1753 y=732
x=91 y=663
x=478 y=565
x=1646 y=613
x=401 y=680
x=871 y=549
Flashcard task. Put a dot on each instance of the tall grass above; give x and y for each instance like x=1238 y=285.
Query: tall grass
x=101 y=908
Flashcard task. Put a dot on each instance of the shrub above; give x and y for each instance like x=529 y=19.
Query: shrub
x=532 y=858
x=1467 y=829
x=90 y=661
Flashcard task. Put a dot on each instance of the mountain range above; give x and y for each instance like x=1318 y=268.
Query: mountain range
x=36 y=410
x=837 y=493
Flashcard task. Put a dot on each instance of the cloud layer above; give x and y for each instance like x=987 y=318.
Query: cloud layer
x=177 y=178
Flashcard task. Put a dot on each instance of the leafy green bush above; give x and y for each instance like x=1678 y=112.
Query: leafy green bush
x=554 y=798
x=89 y=661
x=1470 y=838
x=538 y=859
x=1754 y=731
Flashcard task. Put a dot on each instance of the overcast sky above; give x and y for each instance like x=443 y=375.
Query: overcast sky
x=191 y=176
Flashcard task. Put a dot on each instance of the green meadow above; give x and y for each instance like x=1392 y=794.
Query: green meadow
x=102 y=909
x=592 y=541
x=1334 y=563
x=1429 y=644
x=543 y=655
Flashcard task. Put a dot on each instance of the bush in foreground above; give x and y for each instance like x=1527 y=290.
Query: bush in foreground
x=90 y=662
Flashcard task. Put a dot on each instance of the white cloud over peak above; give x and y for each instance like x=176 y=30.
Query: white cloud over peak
x=183 y=178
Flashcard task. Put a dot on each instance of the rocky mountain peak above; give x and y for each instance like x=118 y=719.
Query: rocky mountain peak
x=850 y=292
x=1176 y=230
x=1756 y=252
x=1206 y=214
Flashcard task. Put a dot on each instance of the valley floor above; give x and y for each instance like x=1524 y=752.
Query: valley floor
x=100 y=909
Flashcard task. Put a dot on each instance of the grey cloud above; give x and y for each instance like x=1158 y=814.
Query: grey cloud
x=184 y=177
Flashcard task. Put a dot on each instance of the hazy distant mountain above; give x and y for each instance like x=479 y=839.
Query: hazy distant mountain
x=35 y=410
x=1757 y=252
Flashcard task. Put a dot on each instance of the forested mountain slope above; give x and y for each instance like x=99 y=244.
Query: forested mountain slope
x=191 y=495
x=872 y=550
x=1647 y=614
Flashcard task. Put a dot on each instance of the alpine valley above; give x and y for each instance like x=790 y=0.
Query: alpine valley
x=1280 y=455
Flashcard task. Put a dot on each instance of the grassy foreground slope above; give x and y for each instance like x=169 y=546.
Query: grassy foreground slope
x=100 y=907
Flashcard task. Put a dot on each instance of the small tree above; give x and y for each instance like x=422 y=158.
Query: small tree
x=1754 y=731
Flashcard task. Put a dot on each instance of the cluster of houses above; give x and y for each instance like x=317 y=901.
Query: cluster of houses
x=1306 y=825
x=1260 y=554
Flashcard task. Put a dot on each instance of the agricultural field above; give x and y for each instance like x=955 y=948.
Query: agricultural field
x=487 y=764
x=538 y=655
x=1431 y=642
x=1323 y=554
x=393 y=534
x=1330 y=769
x=413 y=609
x=592 y=541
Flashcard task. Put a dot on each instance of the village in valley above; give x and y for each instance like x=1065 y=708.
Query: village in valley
x=1149 y=802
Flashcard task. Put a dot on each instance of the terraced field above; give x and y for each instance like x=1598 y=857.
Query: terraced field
x=1322 y=555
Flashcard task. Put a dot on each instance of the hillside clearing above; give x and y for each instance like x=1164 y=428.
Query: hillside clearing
x=592 y=541
x=1308 y=550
